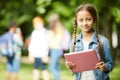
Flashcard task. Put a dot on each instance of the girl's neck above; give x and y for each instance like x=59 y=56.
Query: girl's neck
x=87 y=36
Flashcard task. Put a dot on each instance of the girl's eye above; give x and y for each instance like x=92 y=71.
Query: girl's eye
x=85 y=19
x=80 y=20
x=89 y=19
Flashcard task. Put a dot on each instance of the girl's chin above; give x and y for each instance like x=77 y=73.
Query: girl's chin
x=87 y=30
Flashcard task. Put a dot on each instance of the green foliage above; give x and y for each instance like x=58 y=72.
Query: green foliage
x=41 y=5
x=116 y=13
x=22 y=11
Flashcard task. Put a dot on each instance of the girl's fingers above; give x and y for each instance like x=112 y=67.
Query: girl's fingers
x=69 y=65
x=101 y=66
x=100 y=63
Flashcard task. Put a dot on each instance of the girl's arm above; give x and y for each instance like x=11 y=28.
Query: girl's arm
x=107 y=61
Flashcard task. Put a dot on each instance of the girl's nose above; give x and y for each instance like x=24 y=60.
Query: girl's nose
x=84 y=22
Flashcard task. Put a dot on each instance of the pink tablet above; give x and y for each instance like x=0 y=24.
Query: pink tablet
x=83 y=60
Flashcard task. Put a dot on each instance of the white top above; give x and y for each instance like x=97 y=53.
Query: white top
x=87 y=75
x=39 y=43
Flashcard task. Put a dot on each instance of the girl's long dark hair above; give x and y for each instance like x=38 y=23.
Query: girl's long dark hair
x=92 y=10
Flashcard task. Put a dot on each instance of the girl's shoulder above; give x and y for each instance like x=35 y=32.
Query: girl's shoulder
x=104 y=40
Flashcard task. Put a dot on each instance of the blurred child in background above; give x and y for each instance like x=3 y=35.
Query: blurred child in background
x=59 y=41
x=12 y=50
x=39 y=49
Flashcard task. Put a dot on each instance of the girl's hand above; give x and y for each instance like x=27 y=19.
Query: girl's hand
x=101 y=66
x=69 y=65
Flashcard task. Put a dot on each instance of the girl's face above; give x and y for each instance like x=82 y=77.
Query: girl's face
x=85 y=21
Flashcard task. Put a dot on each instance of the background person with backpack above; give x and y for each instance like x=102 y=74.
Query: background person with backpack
x=10 y=46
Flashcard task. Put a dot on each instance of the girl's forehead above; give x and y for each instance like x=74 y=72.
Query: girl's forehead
x=84 y=13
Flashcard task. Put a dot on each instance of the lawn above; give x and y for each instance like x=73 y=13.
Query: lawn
x=26 y=72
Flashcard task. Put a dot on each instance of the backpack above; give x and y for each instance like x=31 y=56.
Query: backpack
x=5 y=46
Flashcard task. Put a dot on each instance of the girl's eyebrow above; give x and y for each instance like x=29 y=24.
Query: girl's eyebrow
x=86 y=17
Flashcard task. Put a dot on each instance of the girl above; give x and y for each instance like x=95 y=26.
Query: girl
x=56 y=35
x=86 y=18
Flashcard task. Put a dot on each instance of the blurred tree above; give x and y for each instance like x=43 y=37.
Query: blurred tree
x=109 y=18
x=21 y=11
x=115 y=12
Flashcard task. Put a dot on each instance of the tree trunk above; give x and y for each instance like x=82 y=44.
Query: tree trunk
x=118 y=47
x=107 y=31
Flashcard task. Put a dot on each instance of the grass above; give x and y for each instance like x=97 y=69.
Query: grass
x=26 y=72
x=115 y=74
